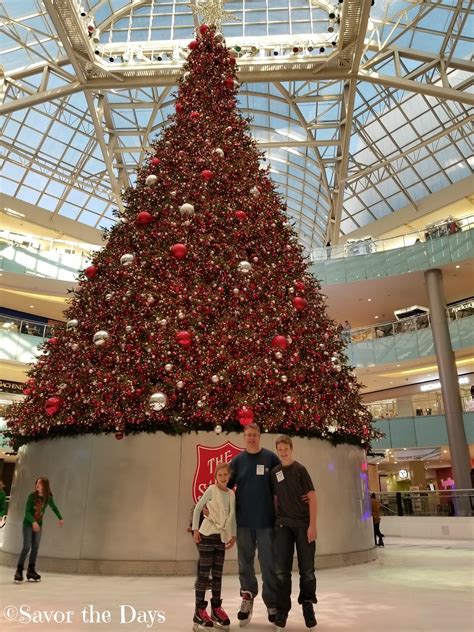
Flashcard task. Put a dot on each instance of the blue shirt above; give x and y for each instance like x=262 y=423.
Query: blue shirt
x=254 y=500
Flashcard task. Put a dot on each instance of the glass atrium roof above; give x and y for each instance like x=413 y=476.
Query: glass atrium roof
x=362 y=110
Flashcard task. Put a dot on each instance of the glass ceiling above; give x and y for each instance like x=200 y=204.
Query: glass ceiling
x=347 y=144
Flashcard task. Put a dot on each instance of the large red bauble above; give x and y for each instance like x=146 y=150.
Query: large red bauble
x=194 y=116
x=300 y=286
x=53 y=341
x=232 y=61
x=184 y=339
x=179 y=251
x=179 y=107
x=91 y=272
x=155 y=162
x=245 y=415
x=207 y=175
x=203 y=29
x=242 y=215
x=54 y=401
x=280 y=342
x=229 y=82
x=51 y=410
x=299 y=302
x=193 y=45
x=143 y=218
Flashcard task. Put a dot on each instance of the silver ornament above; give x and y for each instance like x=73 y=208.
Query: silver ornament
x=151 y=180
x=278 y=355
x=100 y=338
x=127 y=259
x=219 y=152
x=245 y=267
x=173 y=193
x=108 y=297
x=332 y=429
x=236 y=290
x=75 y=346
x=158 y=401
x=288 y=399
x=150 y=299
x=254 y=191
x=186 y=209
x=128 y=328
x=200 y=403
x=72 y=324
x=218 y=36
x=163 y=322
x=168 y=367
x=179 y=384
x=284 y=378
x=218 y=429
x=215 y=379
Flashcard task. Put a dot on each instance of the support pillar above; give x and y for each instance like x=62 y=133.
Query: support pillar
x=449 y=383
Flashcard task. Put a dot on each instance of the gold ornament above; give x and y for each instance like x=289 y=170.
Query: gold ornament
x=213 y=12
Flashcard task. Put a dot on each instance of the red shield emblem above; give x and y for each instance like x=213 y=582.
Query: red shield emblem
x=207 y=459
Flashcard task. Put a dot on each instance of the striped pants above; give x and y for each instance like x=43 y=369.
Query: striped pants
x=211 y=562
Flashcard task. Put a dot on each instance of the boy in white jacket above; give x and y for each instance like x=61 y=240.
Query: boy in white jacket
x=216 y=534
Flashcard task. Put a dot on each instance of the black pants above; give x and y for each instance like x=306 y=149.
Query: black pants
x=211 y=562
x=286 y=538
x=377 y=533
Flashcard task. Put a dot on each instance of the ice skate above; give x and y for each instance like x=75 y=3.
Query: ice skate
x=218 y=615
x=32 y=575
x=308 y=614
x=18 y=575
x=271 y=614
x=201 y=619
x=245 y=613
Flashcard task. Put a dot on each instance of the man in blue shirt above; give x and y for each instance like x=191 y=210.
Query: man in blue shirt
x=250 y=471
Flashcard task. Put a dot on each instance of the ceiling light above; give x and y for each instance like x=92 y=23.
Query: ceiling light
x=369 y=300
x=457 y=267
x=32 y=306
x=445 y=451
x=375 y=316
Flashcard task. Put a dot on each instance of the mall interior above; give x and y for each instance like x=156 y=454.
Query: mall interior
x=364 y=111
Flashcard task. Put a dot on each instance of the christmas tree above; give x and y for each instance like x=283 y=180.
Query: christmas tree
x=200 y=312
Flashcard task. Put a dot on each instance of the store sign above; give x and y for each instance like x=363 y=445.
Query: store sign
x=8 y=386
x=435 y=386
x=403 y=475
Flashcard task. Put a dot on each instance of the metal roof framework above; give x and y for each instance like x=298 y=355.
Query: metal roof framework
x=357 y=122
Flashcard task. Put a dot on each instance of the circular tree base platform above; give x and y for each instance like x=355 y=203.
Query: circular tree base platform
x=127 y=504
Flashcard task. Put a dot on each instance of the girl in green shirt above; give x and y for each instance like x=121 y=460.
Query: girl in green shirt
x=36 y=505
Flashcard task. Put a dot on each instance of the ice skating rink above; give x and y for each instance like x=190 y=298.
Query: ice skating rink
x=414 y=585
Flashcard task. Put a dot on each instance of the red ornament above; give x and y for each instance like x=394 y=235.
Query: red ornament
x=280 y=342
x=193 y=45
x=155 y=162
x=53 y=341
x=300 y=286
x=54 y=401
x=51 y=410
x=179 y=107
x=179 y=251
x=119 y=436
x=203 y=29
x=194 y=116
x=232 y=61
x=27 y=391
x=91 y=272
x=229 y=82
x=207 y=175
x=242 y=215
x=245 y=415
x=299 y=302
x=184 y=339
x=144 y=218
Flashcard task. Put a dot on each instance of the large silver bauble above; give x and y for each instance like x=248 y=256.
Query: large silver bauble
x=151 y=180
x=72 y=324
x=245 y=267
x=100 y=337
x=186 y=209
x=127 y=259
x=158 y=401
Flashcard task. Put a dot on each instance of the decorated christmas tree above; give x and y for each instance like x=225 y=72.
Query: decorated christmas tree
x=200 y=312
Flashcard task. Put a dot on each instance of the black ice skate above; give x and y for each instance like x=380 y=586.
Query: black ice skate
x=280 y=621
x=219 y=615
x=308 y=614
x=201 y=619
x=18 y=575
x=245 y=613
x=32 y=575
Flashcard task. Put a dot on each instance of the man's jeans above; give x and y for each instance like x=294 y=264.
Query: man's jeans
x=31 y=540
x=248 y=540
x=285 y=540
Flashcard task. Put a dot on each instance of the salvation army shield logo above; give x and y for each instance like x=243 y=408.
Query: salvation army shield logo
x=207 y=459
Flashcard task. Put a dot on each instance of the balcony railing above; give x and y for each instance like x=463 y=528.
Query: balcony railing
x=458 y=502
x=367 y=245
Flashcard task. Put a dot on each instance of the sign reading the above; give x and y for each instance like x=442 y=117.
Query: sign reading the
x=207 y=459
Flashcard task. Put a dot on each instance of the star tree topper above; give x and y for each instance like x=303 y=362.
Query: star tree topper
x=213 y=12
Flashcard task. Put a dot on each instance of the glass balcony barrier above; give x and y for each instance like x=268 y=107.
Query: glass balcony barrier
x=368 y=245
x=427 y=503
x=418 y=406
x=43 y=257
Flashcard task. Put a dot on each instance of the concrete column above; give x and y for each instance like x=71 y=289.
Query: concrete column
x=449 y=381
x=418 y=474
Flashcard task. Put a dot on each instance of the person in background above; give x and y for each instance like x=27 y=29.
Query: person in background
x=216 y=533
x=3 y=504
x=378 y=536
x=36 y=505
x=295 y=525
x=250 y=471
x=346 y=331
